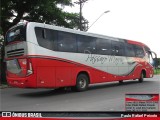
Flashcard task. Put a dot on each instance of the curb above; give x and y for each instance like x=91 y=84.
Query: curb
x=4 y=86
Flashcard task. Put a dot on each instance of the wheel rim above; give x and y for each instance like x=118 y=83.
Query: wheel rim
x=82 y=83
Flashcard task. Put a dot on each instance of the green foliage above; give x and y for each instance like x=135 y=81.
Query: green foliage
x=1 y=31
x=156 y=71
x=1 y=38
x=45 y=11
x=2 y=67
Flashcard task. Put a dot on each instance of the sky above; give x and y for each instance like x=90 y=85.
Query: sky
x=137 y=20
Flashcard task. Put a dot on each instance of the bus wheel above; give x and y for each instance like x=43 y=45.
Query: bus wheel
x=141 y=77
x=82 y=83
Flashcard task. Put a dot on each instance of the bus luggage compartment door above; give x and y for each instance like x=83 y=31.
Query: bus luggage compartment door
x=45 y=77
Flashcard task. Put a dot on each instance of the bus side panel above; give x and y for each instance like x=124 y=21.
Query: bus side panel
x=53 y=73
x=149 y=72
x=45 y=77
x=63 y=76
x=95 y=76
x=76 y=70
x=100 y=76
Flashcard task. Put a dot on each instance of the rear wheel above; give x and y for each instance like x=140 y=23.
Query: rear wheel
x=81 y=83
x=141 y=79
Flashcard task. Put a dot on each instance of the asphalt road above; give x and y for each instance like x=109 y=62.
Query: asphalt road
x=100 y=97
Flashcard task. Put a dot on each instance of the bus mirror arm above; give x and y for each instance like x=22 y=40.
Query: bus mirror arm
x=154 y=59
x=151 y=52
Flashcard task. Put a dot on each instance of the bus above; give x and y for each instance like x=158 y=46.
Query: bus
x=39 y=55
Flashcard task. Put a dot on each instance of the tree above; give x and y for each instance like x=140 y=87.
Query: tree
x=2 y=65
x=82 y=21
x=45 y=11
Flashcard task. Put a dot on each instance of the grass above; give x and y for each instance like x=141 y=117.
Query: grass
x=157 y=71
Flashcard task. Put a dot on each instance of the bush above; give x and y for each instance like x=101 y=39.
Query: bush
x=156 y=71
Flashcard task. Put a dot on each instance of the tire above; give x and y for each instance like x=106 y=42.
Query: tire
x=141 y=79
x=81 y=83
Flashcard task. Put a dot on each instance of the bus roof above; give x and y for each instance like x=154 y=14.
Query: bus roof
x=137 y=43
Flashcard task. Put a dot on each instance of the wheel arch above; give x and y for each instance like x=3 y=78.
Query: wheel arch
x=86 y=73
x=144 y=72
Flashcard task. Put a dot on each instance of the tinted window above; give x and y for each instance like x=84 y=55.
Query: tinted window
x=66 y=42
x=129 y=50
x=46 y=37
x=16 y=34
x=103 y=46
x=117 y=48
x=147 y=50
x=86 y=44
x=139 y=52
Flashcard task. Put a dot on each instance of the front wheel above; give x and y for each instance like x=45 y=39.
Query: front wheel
x=141 y=79
x=81 y=83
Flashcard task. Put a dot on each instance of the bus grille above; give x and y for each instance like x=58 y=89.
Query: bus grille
x=15 y=53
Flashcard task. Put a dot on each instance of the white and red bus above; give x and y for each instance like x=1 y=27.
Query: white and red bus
x=46 y=56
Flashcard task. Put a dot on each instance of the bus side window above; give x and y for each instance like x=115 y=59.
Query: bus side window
x=86 y=44
x=42 y=38
x=139 y=52
x=129 y=50
x=51 y=38
x=103 y=46
x=66 y=42
x=117 y=48
x=147 y=51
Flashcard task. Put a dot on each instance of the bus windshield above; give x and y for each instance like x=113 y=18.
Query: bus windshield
x=17 y=33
